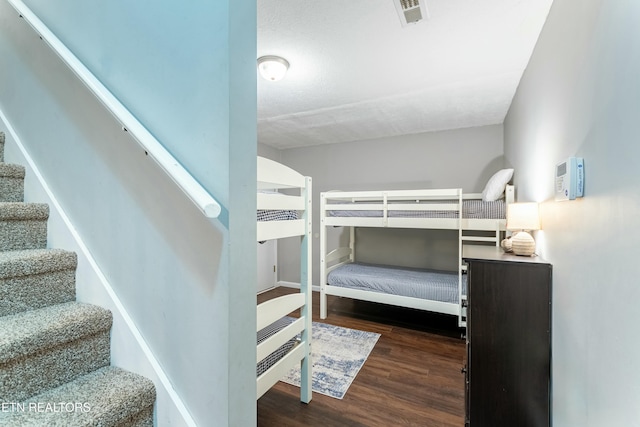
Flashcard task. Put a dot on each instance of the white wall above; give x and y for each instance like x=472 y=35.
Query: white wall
x=464 y=158
x=580 y=96
x=186 y=281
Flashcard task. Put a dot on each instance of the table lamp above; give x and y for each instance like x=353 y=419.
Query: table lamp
x=522 y=218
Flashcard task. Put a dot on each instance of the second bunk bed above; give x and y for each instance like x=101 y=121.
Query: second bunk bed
x=284 y=210
x=475 y=220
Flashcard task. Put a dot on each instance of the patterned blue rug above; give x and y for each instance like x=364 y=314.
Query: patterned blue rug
x=337 y=355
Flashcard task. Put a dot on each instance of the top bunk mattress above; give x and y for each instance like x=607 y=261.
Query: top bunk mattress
x=472 y=209
x=434 y=285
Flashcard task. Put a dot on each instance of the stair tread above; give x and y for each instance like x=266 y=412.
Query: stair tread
x=46 y=346
x=23 y=210
x=35 y=261
x=10 y=170
x=30 y=331
x=104 y=397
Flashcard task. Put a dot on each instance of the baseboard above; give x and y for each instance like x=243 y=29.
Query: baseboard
x=267 y=290
x=129 y=350
x=296 y=285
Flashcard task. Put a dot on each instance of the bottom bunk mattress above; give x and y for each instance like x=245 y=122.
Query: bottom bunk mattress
x=434 y=285
x=276 y=215
x=265 y=333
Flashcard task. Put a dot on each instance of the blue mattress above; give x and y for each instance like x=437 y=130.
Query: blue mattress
x=434 y=285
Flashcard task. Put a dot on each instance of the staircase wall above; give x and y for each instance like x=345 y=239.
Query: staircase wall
x=128 y=349
x=145 y=252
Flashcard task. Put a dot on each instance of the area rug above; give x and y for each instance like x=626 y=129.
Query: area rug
x=337 y=354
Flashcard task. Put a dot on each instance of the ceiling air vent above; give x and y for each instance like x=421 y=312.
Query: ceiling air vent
x=411 y=11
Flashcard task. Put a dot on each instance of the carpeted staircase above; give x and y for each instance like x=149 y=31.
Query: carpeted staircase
x=54 y=351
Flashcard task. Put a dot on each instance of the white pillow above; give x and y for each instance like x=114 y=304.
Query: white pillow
x=495 y=187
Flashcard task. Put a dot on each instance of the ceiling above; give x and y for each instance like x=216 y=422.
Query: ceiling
x=356 y=73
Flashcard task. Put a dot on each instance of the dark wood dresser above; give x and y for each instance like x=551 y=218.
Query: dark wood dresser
x=508 y=368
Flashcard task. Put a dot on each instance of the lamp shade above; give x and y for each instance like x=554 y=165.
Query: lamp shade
x=523 y=216
x=272 y=68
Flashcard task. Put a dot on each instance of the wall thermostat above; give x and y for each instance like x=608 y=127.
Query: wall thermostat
x=570 y=179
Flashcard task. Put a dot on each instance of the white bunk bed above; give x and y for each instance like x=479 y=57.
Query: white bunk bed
x=284 y=210
x=437 y=291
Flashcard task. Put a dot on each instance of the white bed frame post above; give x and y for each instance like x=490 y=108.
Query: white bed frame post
x=323 y=261
x=352 y=244
x=306 y=288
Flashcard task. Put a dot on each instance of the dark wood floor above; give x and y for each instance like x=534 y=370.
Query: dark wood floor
x=412 y=377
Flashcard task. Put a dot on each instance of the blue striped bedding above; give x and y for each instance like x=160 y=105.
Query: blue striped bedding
x=434 y=285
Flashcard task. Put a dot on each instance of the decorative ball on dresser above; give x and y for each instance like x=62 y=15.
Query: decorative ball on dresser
x=522 y=243
x=506 y=245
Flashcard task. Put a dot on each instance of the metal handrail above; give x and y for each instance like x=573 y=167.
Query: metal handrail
x=130 y=124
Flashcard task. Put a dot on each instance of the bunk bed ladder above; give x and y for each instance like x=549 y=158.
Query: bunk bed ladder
x=494 y=238
x=462 y=298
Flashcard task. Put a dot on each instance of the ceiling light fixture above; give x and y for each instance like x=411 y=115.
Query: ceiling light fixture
x=272 y=67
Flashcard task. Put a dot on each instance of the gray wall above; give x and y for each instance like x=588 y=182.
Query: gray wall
x=463 y=158
x=269 y=152
x=580 y=96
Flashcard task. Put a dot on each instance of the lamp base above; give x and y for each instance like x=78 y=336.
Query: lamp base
x=522 y=244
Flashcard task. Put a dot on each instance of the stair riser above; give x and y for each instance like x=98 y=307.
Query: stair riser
x=115 y=398
x=49 y=368
x=25 y=293
x=144 y=418
x=11 y=189
x=23 y=234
